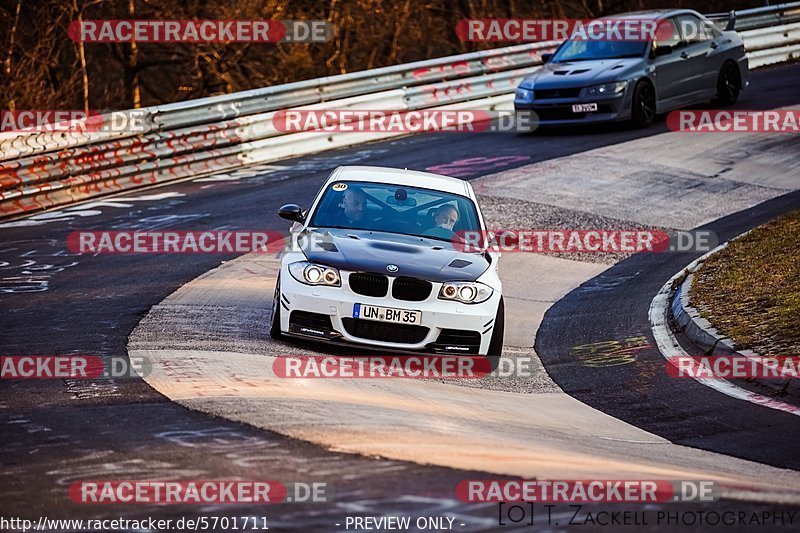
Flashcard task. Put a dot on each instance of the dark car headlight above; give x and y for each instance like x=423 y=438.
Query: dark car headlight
x=523 y=94
x=615 y=87
x=314 y=274
x=468 y=292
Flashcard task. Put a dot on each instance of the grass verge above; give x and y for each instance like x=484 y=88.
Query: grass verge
x=750 y=291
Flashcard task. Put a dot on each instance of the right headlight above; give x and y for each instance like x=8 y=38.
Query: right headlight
x=314 y=274
x=606 y=89
x=523 y=94
x=468 y=292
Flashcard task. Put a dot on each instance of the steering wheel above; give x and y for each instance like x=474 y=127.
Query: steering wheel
x=440 y=233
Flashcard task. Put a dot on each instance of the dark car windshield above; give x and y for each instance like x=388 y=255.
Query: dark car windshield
x=586 y=50
x=395 y=209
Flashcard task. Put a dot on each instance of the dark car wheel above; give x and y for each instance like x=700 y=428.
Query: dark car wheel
x=729 y=84
x=496 y=343
x=643 y=112
x=275 y=323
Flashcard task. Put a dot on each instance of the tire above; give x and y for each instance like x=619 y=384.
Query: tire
x=643 y=105
x=495 y=350
x=275 y=322
x=729 y=84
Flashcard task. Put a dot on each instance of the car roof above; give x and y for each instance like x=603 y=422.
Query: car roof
x=399 y=176
x=653 y=14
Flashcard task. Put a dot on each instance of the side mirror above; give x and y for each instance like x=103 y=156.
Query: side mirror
x=663 y=50
x=546 y=58
x=291 y=212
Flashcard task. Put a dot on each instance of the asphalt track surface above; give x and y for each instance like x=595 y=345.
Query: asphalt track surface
x=637 y=389
x=56 y=432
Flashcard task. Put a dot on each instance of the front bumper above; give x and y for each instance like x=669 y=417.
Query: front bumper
x=558 y=111
x=744 y=71
x=336 y=305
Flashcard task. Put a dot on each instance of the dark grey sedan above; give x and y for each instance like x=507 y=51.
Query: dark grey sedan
x=611 y=80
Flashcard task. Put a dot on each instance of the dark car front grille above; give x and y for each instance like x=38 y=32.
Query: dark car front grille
x=411 y=289
x=384 y=331
x=368 y=284
x=546 y=94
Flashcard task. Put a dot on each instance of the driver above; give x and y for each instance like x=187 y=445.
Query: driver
x=446 y=216
x=445 y=219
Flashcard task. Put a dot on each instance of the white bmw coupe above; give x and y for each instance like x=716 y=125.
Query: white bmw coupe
x=375 y=262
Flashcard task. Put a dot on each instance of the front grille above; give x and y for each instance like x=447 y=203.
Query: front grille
x=368 y=284
x=384 y=331
x=411 y=289
x=311 y=320
x=565 y=112
x=544 y=94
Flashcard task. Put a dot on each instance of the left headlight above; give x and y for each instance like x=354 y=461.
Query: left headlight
x=607 y=88
x=468 y=292
x=523 y=94
x=314 y=274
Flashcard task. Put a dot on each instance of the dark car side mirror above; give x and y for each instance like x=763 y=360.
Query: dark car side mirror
x=663 y=50
x=291 y=212
x=546 y=58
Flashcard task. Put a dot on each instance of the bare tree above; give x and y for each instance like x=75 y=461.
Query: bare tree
x=43 y=69
x=132 y=67
x=10 y=50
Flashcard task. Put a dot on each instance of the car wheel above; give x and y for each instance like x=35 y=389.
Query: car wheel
x=643 y=112
x=496 y=343
x=275 y=323
x=729 y=84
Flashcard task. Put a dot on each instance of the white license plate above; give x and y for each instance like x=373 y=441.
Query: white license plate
x=584 y=108
x=387 y=314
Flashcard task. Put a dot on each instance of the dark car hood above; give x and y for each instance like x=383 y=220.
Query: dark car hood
x=371 y=251
x=580 y=73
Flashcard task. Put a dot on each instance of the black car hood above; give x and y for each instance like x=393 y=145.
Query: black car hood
x=372 y=251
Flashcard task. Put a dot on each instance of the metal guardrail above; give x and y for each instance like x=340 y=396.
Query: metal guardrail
x=218 y=108
x=46 y=169
x=759 y=17
x=775 y=44
x=770 y=32
x=39 y=170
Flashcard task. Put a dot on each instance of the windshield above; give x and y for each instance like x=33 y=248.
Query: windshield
x=395 y=209
x=585 y=50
